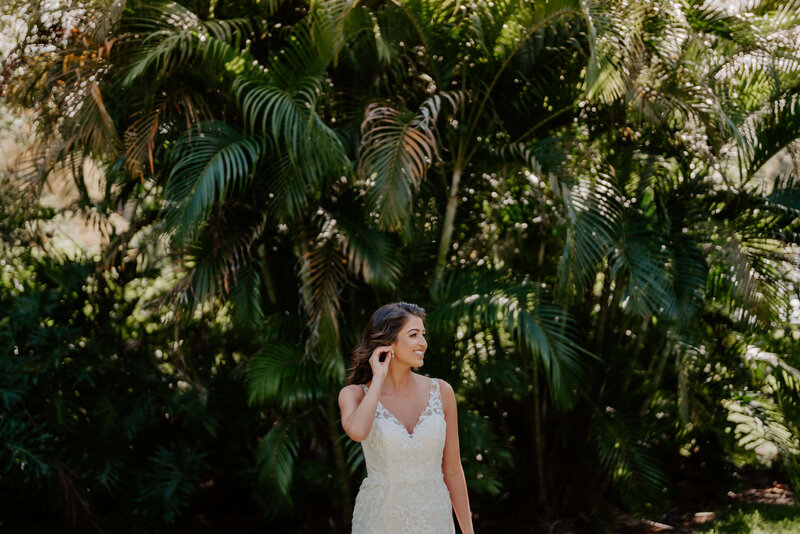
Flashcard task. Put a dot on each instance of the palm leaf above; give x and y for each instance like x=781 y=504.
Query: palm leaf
x=213 y=261
x=323 y=271
x=430 y=19
x=205 y=167
x=167 y=484
x=538 y=327
x=485 y=454
x=94 y=129
x=282 y=374
x=371 y=254
x=165 y=36
x=276 y=455
x=595 y=213
x=246 y=296
x=312 y=150
x=690 y=276
x=355 y=453
x=396 y=150
x=642 y=257
x=615 y=44
x=99 y=28
x=624 y=454
x=769 y=131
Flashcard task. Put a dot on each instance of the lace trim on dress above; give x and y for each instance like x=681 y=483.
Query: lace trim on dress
x=434 y=406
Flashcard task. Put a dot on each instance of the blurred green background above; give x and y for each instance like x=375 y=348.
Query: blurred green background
x=202 y=203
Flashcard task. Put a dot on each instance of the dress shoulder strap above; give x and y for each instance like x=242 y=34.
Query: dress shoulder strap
x=436 y=397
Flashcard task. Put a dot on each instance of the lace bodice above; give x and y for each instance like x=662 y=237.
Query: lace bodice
x=404 y=491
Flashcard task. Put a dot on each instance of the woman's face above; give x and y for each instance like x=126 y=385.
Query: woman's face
x=410 y=345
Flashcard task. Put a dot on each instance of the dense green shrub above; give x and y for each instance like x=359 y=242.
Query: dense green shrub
x=104 y=418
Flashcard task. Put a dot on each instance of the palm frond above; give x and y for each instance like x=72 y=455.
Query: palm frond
x=25 y=446
x=105 y=20
x=169 y=481
x=758 y=421
x=745 y=275
x=627 y=459
x=213 y=261
x=165 y=36
x=538 y=327
x=246 y=296
x=312 y=149
x=288 y=187
x=496 y=27
x=769 y=131
x=371 y=253
x=785 y=195
x=94 y=129
x=595 y=213
x=642 y=256
x=690 y=276
x=301 y=57
x=334 y=22
x=282 y=374
x=615 y=44
x=429 y=18
x=284 y=112
x=206 y=165
x=355 y=453
x=323 y=271
x=140 y=142
x=276 y=455
x=396 y=150
x=541 y=16
x=484 y=452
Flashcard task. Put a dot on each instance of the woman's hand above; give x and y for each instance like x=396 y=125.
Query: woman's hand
x=380 y=368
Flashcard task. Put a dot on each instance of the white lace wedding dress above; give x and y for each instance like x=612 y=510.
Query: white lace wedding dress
x=404 y=492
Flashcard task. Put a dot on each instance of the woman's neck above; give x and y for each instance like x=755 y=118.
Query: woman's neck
x=399 y=377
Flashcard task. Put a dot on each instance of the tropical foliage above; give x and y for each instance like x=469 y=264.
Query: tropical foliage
x=597 y=202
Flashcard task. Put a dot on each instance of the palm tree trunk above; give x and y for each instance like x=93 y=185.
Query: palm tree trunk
x=683 y=389
x=447 y=232
x=266 y=276
x=656 y=381
x=603 y=313
x=538 y=437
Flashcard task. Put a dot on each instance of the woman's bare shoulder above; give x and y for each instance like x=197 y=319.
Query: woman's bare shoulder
x=445 y=386
x=351 y=391
x=447 y=394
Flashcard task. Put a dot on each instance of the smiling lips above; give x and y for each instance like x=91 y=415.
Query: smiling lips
x=420 y=353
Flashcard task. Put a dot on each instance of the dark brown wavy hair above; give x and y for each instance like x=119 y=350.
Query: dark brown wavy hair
x=382 y=329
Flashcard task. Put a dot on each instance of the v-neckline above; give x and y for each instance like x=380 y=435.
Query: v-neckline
x=419 y=419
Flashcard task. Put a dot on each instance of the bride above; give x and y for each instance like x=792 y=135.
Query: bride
x=407 y=427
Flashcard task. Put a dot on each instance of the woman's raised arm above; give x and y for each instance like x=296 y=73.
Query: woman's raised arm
x=358 y=408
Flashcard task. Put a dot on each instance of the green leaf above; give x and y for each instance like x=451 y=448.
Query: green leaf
x=276 y=455
x=627 y=458
x=397 y=148
x=539 y=328
x=281 y=373
x=770 y=130
x=206 y=166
